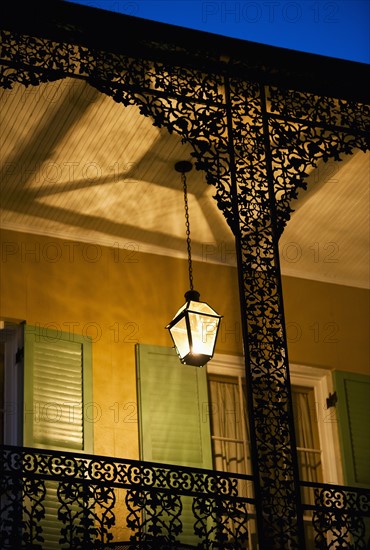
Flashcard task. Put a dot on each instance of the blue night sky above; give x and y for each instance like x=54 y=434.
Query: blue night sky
x=339 y=28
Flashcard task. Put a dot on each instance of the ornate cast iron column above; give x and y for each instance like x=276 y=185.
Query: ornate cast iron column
x=256 y=144
x=274 y=458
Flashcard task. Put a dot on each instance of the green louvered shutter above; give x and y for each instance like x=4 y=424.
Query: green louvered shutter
x=58 y=386
x=57 y=391
x=353 y=408
x=173 y=421
x=173 y=400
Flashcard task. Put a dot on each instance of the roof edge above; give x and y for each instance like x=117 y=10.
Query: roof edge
x=110 y=31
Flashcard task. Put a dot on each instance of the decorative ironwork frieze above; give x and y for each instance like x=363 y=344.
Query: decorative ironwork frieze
x=304 y=129
x=90 y=496
x=319 y=111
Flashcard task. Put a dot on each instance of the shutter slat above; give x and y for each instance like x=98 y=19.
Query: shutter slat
x=72 y=387
x=59 y=361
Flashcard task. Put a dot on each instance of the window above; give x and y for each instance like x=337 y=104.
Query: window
x=230 y=437
x=316 y=436
x=163 y=413
x=307 y=434
x=324 y=431
x=317 y=441
x=45 y=382
x=57 y=390
x=173 y=409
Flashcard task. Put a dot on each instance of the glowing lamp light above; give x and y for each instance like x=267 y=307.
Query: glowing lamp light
x=195 y=326
x=194 y=330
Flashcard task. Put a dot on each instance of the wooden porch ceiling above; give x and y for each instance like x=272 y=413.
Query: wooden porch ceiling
x=77 y=165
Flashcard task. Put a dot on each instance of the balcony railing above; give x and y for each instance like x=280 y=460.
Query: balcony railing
x=337 y=517
x=59 y=500
x=52 y=499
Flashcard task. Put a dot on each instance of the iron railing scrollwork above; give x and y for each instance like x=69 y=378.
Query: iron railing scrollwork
x=101 y=502
x=53 y=499
x=339 y=516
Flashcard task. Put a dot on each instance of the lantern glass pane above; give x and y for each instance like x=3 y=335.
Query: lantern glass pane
x=202 y=307
x=180 y=310
x=180 y=337
x=204 y=331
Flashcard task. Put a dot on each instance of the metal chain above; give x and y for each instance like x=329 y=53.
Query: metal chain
x=187 y=224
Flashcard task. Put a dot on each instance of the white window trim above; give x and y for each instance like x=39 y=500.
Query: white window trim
x=226 y=365
x=322 y=383
x=320 y=379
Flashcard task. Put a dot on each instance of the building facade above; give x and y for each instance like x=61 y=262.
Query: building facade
x=91 y=459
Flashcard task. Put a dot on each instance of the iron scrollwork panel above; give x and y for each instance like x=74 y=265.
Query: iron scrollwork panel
x=340 y=516
x=273 y=153
x=305 y=129
x=160 y=508
x=86 y=513
x=86 y=510
x=221 y=523
x=185 y=101
x=22 y=510
x=22 y=503
x=154 y=515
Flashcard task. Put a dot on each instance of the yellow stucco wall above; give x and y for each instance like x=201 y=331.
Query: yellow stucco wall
x=327 y=325
x=120 y=297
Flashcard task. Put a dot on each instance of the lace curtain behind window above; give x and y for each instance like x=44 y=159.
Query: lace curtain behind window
x=230 y=438
x=307 y=437
x=229 y=428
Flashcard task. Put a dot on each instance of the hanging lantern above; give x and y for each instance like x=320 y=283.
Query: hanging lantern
x=195 y=326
